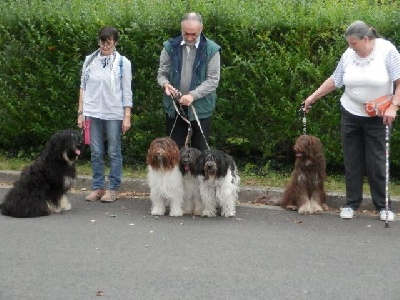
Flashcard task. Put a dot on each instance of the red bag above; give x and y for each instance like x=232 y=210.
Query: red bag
x=378 y=106
x=86 y=131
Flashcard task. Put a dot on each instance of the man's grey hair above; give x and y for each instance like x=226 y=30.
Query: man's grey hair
x=192 y=16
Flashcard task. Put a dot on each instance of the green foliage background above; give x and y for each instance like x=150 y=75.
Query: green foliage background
x=275 y=53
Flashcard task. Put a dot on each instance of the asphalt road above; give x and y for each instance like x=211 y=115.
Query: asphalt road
x=118 y=251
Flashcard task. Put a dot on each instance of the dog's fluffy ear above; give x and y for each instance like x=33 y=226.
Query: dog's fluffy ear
x=170 y=149
x=149 y=159
x=200 y=161
x=225 y=161
x=55 y=146
x=196 y=153
x=310 y=145
x=315 y=147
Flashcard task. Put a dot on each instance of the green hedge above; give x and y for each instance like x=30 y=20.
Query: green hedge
x=274 y=54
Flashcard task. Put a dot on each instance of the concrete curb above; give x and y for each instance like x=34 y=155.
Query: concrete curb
x=247 y=194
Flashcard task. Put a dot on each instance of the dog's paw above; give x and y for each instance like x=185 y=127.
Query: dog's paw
x=228 y=214
x=207 y=213
x=176 y=213
x=316 y=208
x=198 y=209
x=291 y=207
x=65 y=204
x=198 y=212
x=53 y=208
x=304 y=211
x=310 y=211
x=187 y=211
x=67 y=207
x=158 y=211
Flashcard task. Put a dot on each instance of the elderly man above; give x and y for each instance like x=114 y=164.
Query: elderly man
x=189 y=71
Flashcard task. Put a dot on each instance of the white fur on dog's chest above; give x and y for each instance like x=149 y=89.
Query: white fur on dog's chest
x=311 y=180
x=219 y=192
x=166 y=181
x=166 y=189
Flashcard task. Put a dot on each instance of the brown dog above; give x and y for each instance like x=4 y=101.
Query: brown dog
x=164 y=177
x=305 y=191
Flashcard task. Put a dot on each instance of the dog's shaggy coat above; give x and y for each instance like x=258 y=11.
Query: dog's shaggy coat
x=219 y=183
x=305 y=191
x=191 y=192
x=42 y=186
x=164 y=177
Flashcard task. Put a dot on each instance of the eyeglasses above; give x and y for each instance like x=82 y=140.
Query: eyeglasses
x=106 y=43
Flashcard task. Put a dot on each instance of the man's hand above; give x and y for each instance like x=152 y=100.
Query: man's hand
x=186 y=100
x=170 y=90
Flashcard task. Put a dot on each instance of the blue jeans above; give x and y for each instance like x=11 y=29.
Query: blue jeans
x=110 y=131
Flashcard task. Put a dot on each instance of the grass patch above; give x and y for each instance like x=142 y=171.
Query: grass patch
x=334 y=183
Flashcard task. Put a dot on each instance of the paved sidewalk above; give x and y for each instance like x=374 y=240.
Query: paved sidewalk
x=247 y=194
x=118 y=251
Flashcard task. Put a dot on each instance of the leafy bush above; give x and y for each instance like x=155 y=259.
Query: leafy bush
x=274 y=54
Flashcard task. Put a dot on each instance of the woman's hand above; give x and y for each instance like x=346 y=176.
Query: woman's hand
x=81 y=121
x=126 y=123
x=308 y=103
x=390 y=115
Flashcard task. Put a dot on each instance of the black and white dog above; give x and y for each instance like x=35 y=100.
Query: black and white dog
x=42 y=186
x=219 y=183
x=191 y=194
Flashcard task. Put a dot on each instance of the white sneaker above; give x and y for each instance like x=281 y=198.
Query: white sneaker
x=390 y=215
x=347 y=213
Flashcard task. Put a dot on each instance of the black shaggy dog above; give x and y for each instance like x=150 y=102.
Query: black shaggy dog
x=191 y=193
x=42 y=186
x=219 y=183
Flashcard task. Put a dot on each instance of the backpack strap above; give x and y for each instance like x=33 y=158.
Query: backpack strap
x=120 y=73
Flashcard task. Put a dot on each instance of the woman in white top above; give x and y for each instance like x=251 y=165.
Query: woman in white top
x=367 y=69
x=105 y=100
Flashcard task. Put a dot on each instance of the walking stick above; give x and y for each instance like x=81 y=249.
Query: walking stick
x=387 y=146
